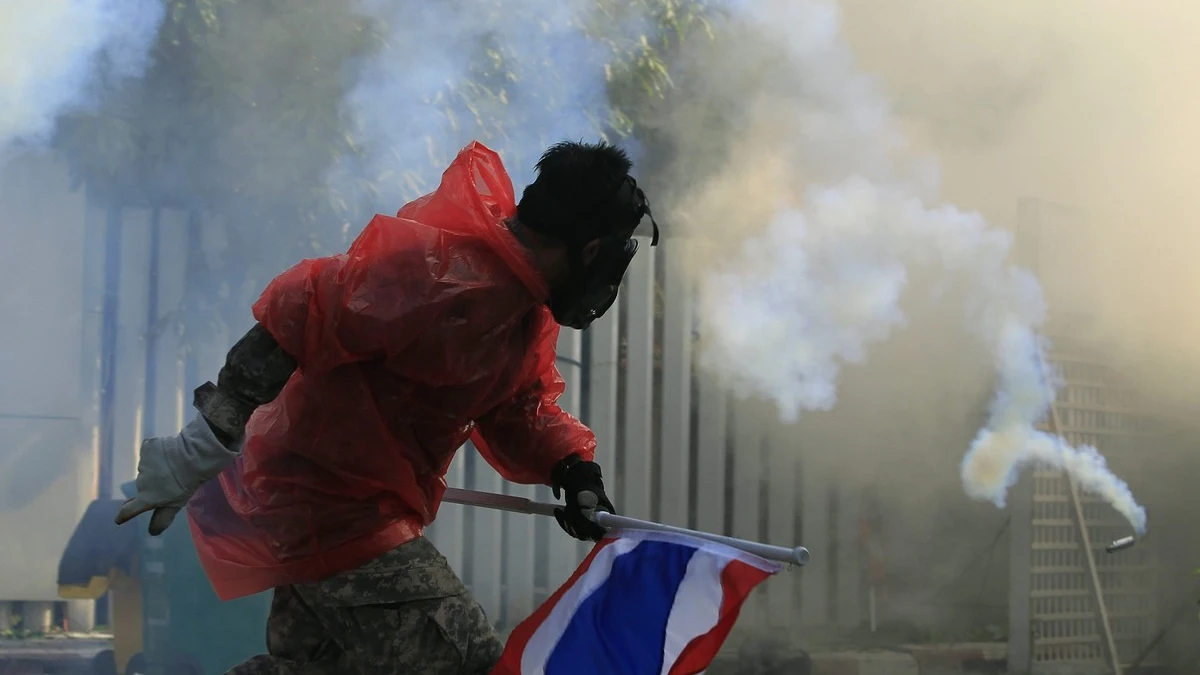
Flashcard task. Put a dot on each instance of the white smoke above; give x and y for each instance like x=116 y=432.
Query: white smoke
x=51 y=52
x=518 y=76
x=824 y=280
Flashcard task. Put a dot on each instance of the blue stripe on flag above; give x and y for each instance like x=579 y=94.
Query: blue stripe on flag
x=621 y=626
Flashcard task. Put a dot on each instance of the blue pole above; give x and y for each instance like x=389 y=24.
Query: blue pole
x=108 y=348
x=150 y=387
x=190 y=367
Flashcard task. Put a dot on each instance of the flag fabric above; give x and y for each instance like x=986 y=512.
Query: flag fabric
x=642 y=603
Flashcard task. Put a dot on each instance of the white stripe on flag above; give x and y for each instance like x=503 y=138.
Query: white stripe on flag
x=541 y=644
x=697 y=605
x=701 y=545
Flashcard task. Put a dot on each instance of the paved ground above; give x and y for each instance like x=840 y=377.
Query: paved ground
x=73 y=654
x=983 y=658
x=70 y=653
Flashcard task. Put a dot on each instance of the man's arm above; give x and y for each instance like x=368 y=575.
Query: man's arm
x=171 y=469
x=530 y=439
x=254 y=373
x=367 y=304
x=323 y=313
x=526 y=437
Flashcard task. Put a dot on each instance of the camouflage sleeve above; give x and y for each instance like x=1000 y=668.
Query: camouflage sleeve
x=254 y=373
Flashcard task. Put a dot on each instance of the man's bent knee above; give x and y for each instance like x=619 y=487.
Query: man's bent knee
x=465 y=624
x=443 y=636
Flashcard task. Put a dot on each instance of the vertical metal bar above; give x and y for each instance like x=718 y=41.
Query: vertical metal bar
x=173 y=398
x=91 y=355
x=851 y=573
x=108 y=351
x=747 y=488
x=815 y=582
x=1020 y=577
x=563 y=554
x=191 y=364
x=800 y=534
x=676 y=387
x=447 y=531
x=156 y=574
x=602 y=385
x=639 y=388
x=711 y=430
x=149 y=382
x=747 y=470
x=834 y=545
x=518 y=551
x=211 y=353
x=128 y=394
x=603 y=357
x=488 y=545
x=781 y=519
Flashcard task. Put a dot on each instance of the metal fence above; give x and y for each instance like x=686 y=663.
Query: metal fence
x=1053 y=616
x=1063 y=627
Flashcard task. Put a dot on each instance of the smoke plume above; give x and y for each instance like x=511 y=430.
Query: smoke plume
x=56 y=54
x=851 y=214
x=519 y=75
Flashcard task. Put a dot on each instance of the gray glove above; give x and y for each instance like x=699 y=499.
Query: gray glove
x=172 y=469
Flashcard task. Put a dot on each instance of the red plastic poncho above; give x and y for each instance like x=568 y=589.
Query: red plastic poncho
x=430 y=330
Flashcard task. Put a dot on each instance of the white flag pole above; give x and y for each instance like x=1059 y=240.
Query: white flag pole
x=792 y=556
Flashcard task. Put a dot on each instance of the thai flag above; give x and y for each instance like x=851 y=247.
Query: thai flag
x=642 y=603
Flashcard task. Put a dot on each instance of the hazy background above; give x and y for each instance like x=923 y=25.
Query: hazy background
x=1089 y=105
x=1085 y=105
x=290 y=123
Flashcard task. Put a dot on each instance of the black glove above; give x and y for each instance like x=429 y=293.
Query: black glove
x=584 y=487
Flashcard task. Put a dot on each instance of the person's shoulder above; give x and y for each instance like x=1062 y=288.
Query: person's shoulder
x=475 y=263
x=476 y=292
x=462 y=263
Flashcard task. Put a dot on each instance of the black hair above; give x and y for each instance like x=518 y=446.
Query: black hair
x=574 y=197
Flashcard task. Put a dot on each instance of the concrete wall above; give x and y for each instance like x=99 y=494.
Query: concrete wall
x=47 y=463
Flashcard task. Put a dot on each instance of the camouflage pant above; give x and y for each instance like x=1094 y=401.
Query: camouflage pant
x=404 y=612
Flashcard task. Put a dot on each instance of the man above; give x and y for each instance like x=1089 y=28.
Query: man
x=333 y=421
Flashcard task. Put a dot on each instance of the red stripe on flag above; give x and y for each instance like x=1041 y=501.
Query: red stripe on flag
x=738 y=579
x=510 y=660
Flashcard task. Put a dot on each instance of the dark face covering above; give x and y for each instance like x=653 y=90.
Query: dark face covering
x=590 y=290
